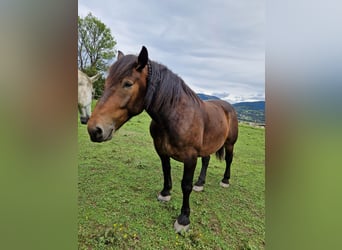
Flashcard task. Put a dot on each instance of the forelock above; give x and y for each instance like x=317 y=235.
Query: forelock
x=121 y=68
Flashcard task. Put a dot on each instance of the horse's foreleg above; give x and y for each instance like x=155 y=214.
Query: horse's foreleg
x=201 y=179
x=183 y=220
x=165 y=194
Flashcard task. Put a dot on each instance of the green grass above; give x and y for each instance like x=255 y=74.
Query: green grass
x=119 y=181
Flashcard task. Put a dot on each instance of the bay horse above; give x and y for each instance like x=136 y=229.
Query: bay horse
x=183 y=126
x=85 y=95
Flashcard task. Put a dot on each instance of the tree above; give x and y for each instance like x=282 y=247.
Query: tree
x=95 y=48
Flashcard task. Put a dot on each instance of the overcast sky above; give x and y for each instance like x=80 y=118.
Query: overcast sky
x=216 y=46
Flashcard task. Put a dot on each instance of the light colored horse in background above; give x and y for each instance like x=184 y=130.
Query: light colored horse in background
x=85 y=94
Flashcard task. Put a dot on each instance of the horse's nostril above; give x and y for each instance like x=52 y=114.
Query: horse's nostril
x=84 y=120
x=98 y=131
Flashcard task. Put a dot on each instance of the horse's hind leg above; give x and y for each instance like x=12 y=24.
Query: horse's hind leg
x=229 y=158
x=165 y=194
x=201 y=179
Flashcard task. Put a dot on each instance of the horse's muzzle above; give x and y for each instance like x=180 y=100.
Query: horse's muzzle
x=98 y=134
x=84 y=120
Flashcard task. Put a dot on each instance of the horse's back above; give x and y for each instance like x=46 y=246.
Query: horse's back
x=227 y=107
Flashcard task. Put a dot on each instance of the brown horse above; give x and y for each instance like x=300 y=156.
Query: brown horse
x=183 y=126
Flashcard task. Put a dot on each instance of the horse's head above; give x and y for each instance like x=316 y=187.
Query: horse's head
x=123 y=96
x=85 y=89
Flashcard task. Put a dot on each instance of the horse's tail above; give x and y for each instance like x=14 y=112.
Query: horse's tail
x=220 y=154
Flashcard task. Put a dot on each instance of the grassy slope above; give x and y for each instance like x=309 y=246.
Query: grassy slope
x=119 y=181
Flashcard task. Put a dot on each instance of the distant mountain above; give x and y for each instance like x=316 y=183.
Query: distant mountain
x=251 y=105
x=205 y=97
x=251 y=111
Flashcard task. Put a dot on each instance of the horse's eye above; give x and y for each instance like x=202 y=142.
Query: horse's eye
x=127 y=84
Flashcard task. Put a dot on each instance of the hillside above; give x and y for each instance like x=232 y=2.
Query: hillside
x=247 y=111
x=251 y=111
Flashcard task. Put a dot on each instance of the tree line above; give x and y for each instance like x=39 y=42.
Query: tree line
x=96 y=49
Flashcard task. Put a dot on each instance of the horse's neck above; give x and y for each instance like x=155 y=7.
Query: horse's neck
x=167 y=95
x=166 y=117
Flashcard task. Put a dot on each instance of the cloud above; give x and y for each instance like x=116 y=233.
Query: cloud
x=215 y=46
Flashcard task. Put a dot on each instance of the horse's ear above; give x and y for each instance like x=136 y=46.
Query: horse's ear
x=94 y=78
x=120 y=55
x=142 y=59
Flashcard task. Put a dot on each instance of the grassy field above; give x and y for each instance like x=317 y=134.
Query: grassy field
x=119 y=181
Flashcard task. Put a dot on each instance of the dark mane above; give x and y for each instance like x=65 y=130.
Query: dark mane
x=164 y=88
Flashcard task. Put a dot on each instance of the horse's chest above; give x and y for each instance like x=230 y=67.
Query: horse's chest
x=165 y=143
x=172 y=144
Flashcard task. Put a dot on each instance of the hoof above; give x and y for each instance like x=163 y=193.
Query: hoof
x=198 y=188
x=164 y=198
x=181 y=228
x=225 y=185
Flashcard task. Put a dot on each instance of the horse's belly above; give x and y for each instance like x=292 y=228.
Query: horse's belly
x=212 y=143
x=181 y=146
x=210 y=149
